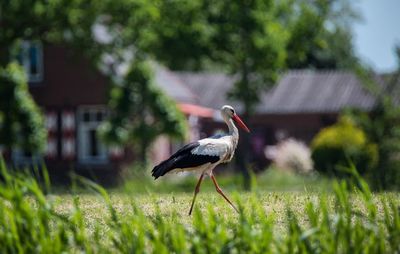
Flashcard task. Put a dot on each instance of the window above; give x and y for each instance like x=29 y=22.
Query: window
x=90 y=147
x=31 y=58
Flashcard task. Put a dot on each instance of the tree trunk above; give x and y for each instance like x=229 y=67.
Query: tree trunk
x=246 y=148
x=244 y=157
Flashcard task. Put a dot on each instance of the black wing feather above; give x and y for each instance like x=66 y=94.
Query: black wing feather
x=183 y=158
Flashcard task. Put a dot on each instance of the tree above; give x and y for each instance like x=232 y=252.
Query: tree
x=250 y=42
x=183 y=35
x=320 y=35
x=141 y=112
x=21 y=122
x=382 y=126
x=48 y=21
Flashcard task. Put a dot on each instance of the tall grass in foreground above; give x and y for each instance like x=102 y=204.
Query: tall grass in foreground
x=30 y=223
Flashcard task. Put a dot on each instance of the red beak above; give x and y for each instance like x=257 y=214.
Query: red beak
x=240 y=123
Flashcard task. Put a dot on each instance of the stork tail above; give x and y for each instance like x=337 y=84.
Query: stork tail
x=162 y=168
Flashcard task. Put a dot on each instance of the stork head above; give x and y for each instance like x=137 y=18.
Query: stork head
x=228 y=112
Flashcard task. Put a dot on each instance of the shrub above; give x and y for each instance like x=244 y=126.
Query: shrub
x=293 y=155
x=21 y=121
x=382 y=126
x=335 y=146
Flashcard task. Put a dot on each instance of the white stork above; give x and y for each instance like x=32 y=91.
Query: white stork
x=204 y=155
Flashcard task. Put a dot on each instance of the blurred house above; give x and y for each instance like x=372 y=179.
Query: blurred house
x=73 y=95
x=299 y=105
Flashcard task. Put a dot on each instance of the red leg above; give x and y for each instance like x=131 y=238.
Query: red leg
x=195 y=192
x=220 y=192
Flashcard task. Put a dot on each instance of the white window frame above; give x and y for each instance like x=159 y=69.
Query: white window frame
x=25 y=60
x=83 y=127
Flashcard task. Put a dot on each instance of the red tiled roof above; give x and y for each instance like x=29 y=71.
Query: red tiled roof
x=196 y=110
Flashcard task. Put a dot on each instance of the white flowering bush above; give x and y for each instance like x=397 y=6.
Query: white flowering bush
x=291 y=155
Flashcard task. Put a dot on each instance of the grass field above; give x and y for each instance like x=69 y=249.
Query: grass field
x=176 y=206
x=337 y=218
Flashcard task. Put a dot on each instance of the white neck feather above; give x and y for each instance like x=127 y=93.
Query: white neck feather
x=233 y=137
x=232 y=127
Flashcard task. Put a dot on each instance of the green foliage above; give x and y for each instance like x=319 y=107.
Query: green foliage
x=337 y=145
x=182 y=43
x=29 y=221
x=141 y=111
x=71 y=22
x=382 y=126
x=353 y=221
x=250 y=42
x=345 y=229
x=229 y=36
x=244 y=38
x=21 y=122
x=305 y=39
x=327 y=43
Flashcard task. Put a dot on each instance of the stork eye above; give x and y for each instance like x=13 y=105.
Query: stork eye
x=232 y=111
